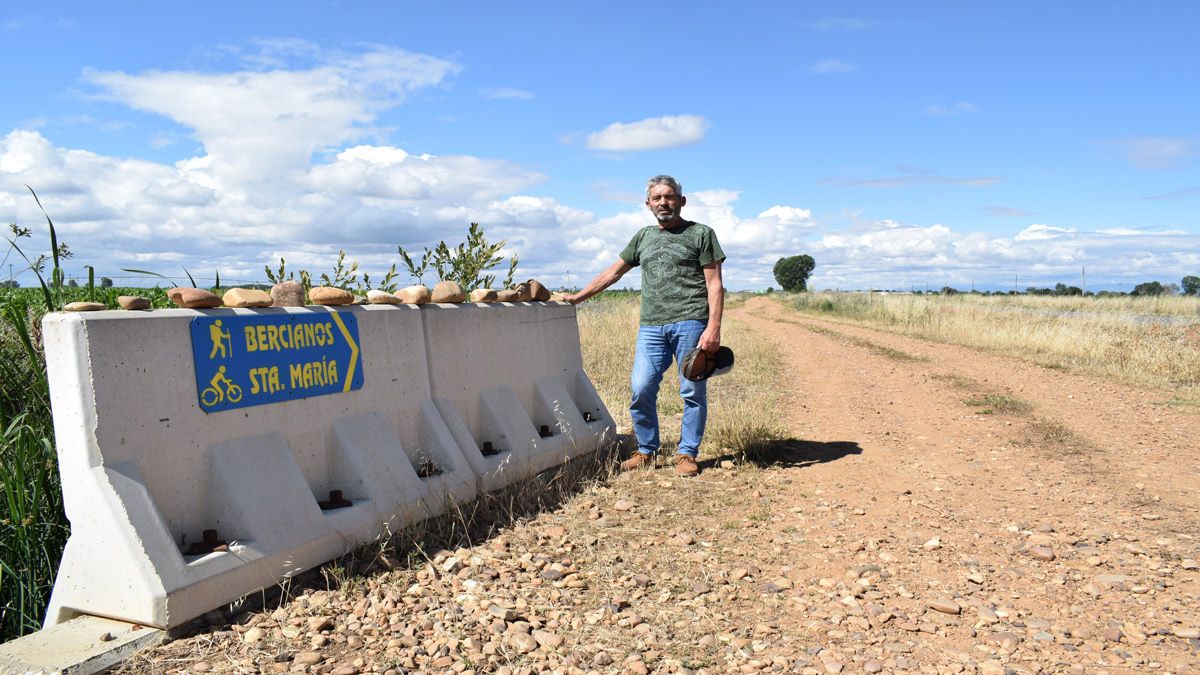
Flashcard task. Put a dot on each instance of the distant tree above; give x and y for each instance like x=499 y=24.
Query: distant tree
x=1148 y=288
x=105 y=282
x=11 y=283
x=771 y=289
x=950 y=290
x=1171 y=289
x=1063 y=289
x=71 y=283
x=792 y=273
x=1191 y=285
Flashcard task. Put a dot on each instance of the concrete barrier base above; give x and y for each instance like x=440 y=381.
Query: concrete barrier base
x=81 y=646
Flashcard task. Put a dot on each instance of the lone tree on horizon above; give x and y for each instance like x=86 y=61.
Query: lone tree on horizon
x=792 y=272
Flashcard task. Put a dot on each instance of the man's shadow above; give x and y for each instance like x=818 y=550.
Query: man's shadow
x=788 y=452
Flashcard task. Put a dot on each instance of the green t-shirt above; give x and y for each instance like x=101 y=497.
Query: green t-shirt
x=672 y=263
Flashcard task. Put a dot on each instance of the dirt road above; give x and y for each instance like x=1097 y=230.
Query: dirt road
x=1065 y=530
x=936 y=510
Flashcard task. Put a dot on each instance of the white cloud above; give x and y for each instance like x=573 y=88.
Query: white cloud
x=886 y=254
x=1037 y=232
x=832 y=67
x=652 y=133
x=1008 y=212
x=841 y=23
x=1156 y=153
x=909 y=177
x=506 y=92
x=941 y=110
x=260 y=127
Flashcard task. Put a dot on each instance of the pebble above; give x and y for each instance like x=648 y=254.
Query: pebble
x=448 y=291
x=84 y=307
x=1044 y=553
x=414 y=295
x=308 y=658
x=873 y=666
x=1189 y=564
x=863 y=570
x=329 y=296
x=1006 y=640
x=507 y=295
x=1188 y=633
x=377 y=297
x=246 y=297
x=193 y=298
x=537 y=291
x=523 y=292
x=624 y=505
x=1113 y=634
x=201 y=667
x=287 y=294
x=253 y=635
x=932 y=545
x=483 y=295
x=547 y=639
x=133 y=302
x=945 y=606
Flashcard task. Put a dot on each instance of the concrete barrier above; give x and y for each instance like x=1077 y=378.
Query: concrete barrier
x=154 y=458
x=509 y=377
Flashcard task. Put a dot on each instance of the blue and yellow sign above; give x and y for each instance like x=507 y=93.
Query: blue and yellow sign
x=254 y=360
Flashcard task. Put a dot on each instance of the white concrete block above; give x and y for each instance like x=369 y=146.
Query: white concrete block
x=146 y=471
x=503 y=371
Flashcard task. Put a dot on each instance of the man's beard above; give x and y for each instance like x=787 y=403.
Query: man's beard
x=666 y=216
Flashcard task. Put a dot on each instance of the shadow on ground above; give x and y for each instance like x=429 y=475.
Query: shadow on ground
x=790 y=452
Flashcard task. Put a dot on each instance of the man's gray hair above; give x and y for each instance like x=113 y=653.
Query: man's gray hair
x=663 y=180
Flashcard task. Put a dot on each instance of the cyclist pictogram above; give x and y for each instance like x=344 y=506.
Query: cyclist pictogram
x=221 y=388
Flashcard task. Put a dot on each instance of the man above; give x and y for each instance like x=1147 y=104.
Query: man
x=682 y=301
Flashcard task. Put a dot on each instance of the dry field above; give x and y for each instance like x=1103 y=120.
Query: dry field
x=870 y=502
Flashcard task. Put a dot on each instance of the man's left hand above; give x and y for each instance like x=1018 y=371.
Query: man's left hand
x=710 y=340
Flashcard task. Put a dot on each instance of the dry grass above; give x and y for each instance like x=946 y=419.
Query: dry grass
x=998 y=403
x=742 y=417
x=1145 y=341
x=1058 y=440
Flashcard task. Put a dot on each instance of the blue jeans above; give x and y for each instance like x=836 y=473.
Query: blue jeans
x=656 y=347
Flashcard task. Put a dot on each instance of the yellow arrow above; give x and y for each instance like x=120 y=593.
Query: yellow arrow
x=353 y=351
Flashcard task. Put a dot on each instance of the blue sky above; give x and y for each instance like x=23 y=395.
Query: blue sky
x=901 y=145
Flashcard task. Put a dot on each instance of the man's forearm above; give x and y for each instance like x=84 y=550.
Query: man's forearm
x=602 y=281
x=716 y=306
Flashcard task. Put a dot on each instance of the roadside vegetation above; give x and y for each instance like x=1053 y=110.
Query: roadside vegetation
x=1150 y=341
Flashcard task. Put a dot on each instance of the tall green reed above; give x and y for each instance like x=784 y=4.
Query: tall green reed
x=33 y=528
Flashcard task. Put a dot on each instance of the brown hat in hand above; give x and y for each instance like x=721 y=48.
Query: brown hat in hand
x=700 y=365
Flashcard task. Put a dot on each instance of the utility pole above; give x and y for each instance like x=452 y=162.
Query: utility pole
x=1083 y=280
x=1014 y=283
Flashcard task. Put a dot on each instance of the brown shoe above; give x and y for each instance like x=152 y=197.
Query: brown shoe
x=639 y=460
x=685 y=465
